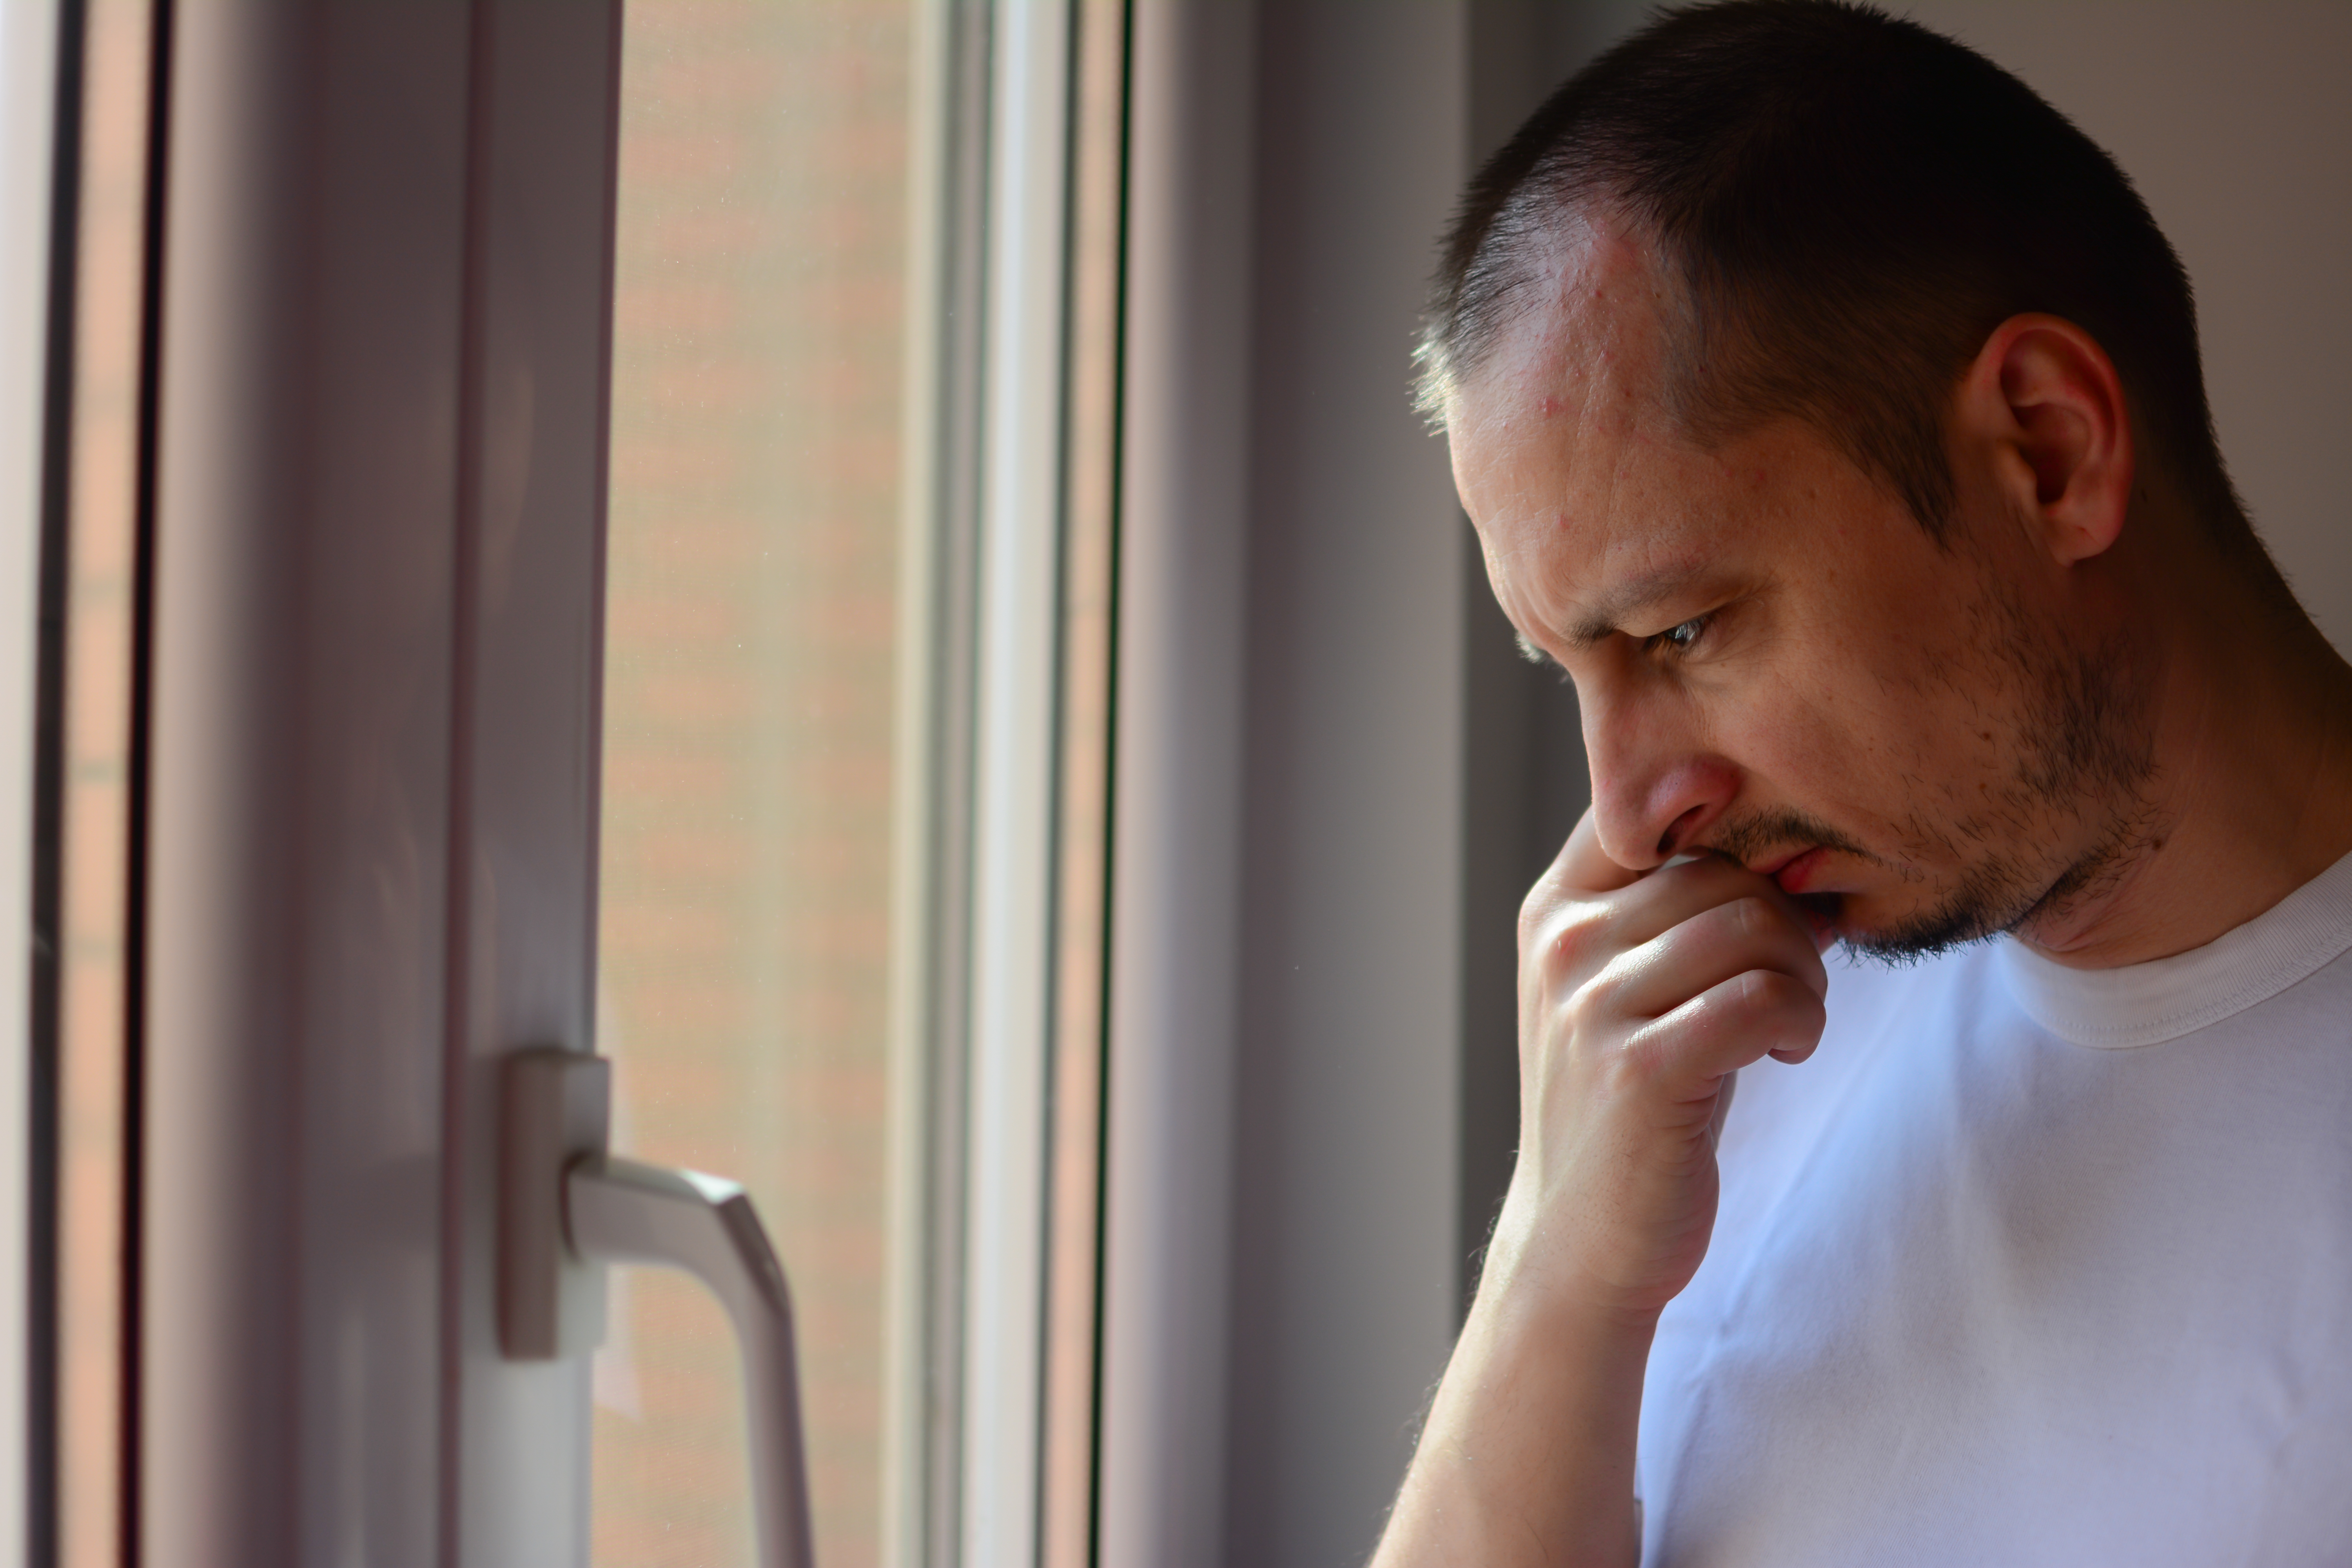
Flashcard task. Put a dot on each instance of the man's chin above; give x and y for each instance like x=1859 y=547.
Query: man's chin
x=1906 y=932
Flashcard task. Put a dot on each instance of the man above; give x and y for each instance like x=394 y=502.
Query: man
x=1830 y=410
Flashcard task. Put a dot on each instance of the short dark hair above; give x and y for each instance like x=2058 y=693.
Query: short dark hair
x=1848 y=205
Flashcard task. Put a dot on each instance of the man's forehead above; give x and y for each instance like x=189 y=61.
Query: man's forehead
x=1571 y=379
x=1567 y=460
x=1592 y=315
x=1585 y=490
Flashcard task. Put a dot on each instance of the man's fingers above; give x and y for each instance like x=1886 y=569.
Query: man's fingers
x=1566 y=942
x=1756 y=931
x=1673 y=894
x=1729 y=1026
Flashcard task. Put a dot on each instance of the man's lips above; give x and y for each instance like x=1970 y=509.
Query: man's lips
x=1796 y=872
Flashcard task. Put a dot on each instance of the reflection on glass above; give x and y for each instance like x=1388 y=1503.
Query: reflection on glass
x=759 y=319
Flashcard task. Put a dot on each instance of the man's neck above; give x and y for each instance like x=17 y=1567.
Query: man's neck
x=2250 y=797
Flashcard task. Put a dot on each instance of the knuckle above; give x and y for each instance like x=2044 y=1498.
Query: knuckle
x=1570 y=938
x=1626 y=1065
x=1590 y=1007
x=1545 y=898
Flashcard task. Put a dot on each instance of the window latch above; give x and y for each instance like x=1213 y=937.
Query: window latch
x=568 y=1208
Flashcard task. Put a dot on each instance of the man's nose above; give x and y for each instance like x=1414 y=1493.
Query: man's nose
x=1652 y=802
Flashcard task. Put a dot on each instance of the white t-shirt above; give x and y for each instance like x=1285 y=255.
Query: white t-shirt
x=2030 y=1266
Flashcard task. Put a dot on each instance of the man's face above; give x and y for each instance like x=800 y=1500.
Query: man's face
x=1923 y=743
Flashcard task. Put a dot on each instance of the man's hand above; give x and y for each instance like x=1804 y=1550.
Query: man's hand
x=1640 y=996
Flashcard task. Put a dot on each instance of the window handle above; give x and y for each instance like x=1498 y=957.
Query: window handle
x=568 y=1209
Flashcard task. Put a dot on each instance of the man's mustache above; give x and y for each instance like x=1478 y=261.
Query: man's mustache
x=1747 y=838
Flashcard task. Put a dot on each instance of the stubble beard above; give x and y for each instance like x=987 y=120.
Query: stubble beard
x=2084 y=755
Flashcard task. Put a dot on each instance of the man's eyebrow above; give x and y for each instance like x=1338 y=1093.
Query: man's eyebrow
x=1606 y=619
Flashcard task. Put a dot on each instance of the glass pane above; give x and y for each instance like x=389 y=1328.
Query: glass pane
x=759 y=325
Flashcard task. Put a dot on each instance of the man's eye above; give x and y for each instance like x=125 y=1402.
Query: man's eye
x=1678 y=639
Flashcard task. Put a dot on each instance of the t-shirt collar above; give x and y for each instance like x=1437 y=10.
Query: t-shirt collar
x=2148 y=1004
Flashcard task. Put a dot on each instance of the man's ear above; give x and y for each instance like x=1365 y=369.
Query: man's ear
x=2045 y=400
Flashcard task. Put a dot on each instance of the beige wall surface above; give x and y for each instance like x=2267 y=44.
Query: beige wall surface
x=2233 y=121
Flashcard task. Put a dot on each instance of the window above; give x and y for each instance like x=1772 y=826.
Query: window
x=753 y=612
x=855 y=749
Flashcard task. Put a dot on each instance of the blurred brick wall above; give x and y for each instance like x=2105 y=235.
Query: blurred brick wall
x=759 y=317
x=91 y=1045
